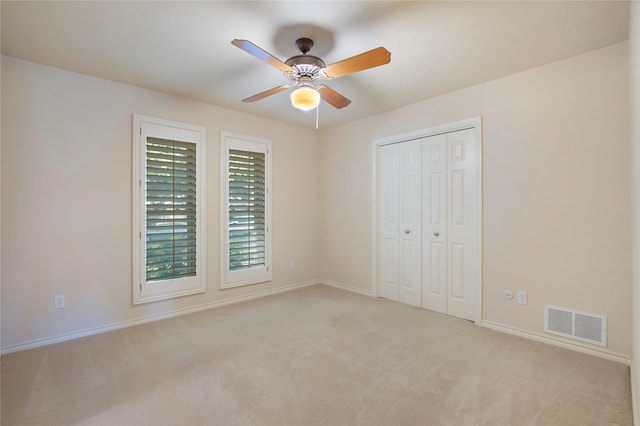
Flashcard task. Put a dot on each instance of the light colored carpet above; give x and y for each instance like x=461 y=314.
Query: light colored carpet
x=313 y=356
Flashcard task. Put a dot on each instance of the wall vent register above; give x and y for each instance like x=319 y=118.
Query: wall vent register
x=582 y=326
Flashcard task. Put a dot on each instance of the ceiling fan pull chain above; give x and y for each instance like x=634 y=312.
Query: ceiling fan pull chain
x=317 y=115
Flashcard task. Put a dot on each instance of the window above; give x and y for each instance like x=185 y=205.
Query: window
x=168 y=209
x=246 y=205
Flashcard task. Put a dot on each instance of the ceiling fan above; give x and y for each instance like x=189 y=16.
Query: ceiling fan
x=303 y=71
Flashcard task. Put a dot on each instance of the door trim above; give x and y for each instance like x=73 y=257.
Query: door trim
x=471 y=123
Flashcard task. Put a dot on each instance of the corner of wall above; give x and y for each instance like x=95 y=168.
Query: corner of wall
x=634 y=54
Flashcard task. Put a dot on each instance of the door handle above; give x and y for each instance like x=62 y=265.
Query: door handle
x=406 y=231
x=437 y=234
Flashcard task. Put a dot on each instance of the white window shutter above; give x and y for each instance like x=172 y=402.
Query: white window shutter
x=246 y=210
x=169 y=207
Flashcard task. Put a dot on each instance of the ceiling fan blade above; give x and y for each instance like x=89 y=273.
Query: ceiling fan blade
x=364 y=61
x=332 y=97
x=261 y=54
x=267 y=93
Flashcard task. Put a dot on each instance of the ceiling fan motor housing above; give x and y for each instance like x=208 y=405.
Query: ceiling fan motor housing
x=305 y=66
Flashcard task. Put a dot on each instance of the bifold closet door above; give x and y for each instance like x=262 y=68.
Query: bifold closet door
x=400 y=237
x=434 y=214
x=449 y=208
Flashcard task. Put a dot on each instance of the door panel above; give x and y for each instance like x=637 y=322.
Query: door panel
x=434 y=240
x=389 y=272
x=457 y=198
x=400 y=222
x=410 y=273
x=411 y=224
x=437 y=270
x=456 y=272
x=462 y=229
x=437 y=186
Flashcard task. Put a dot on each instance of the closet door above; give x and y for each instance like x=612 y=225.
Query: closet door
x=435 y=224
x=462 y=223
x=389 y=214
x=400 y=242
x=450 y=229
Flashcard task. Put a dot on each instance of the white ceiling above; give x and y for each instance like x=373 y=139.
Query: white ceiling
x=184 y=48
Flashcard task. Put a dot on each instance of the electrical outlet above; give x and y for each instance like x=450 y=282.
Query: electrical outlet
x=292 y=265
x=508 y=294
x=522 y=297
x=58 y=301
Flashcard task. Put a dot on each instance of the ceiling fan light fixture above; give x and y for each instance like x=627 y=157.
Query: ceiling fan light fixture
x=305 y=98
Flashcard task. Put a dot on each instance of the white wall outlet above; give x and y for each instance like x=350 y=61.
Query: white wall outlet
x=59 y=301
x=292 y=265
x=508 y=294
x=522 y=297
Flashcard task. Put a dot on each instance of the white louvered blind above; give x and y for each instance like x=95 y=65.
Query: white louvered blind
x=247 y=195
x=171 y=209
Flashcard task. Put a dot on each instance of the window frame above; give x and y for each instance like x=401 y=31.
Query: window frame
x=237 y=278
x=148 y=291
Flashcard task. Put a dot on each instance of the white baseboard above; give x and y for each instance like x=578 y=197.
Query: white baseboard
x=552 y=340
x=130 y=323
x=347 y=288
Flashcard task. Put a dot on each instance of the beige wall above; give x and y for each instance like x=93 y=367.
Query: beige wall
x=634 y=49
x=66 y=197
x=556 y=185
x=0 y=202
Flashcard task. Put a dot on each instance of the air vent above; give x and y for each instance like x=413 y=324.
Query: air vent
x=590 y=328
